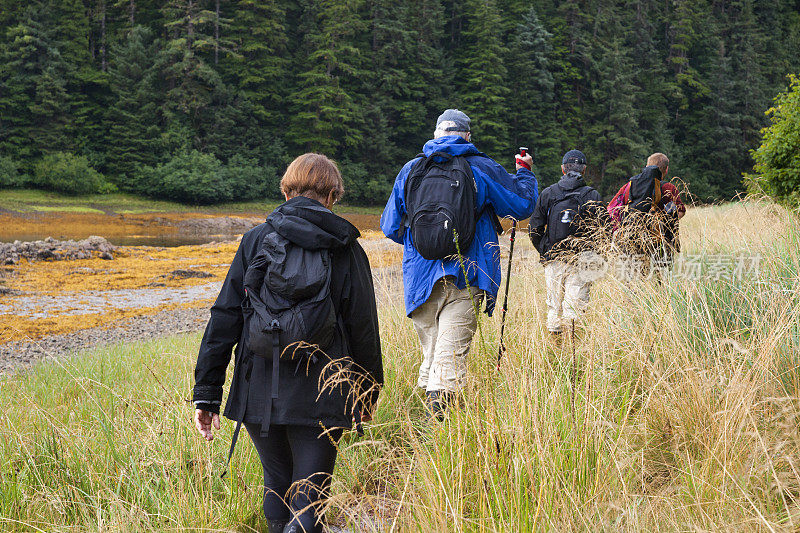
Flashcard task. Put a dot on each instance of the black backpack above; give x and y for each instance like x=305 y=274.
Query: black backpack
x=289 y=291
x=564 y=214
x=645 y=190
x=440 y=204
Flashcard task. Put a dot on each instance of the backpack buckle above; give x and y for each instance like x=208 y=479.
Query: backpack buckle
x=275 y=326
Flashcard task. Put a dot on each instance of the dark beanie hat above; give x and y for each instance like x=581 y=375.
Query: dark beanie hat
x=574 y=156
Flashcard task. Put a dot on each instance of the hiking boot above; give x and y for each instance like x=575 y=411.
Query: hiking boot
x=436 y=403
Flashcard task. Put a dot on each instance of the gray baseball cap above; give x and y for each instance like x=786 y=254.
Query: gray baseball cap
x=460 y=119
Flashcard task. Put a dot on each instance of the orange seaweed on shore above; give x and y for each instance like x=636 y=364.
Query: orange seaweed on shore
x=65 y=225
x=132 y=268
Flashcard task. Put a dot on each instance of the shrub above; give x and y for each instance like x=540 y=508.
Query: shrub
x=362 y=187
x=199 y=178
x=9 y=174
x=69 y=174
x=777 y=160
x=192 y=177
x=250 y=181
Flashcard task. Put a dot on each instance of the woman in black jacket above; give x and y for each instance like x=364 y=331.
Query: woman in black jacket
x=296 y=400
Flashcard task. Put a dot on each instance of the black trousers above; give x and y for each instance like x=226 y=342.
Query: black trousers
x=298 y=464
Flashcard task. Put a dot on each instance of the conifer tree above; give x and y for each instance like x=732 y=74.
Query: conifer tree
x=133 y=118
x=429 y=75
x=34 y=98
x=571 y=62
x=481 y=82
x=612 y=123
x=192 y=86
x=533 y=119
x=261 y=64
x=326 y=108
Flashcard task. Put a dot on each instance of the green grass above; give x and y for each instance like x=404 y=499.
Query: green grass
x=65 y=209
x=22 y=200
x=683 y=417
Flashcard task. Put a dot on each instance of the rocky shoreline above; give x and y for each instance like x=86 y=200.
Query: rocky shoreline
x=51 y=249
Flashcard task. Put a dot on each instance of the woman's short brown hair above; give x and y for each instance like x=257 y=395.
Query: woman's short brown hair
x=313 y=175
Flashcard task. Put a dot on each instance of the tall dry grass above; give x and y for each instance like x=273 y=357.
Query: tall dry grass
x=674 y=408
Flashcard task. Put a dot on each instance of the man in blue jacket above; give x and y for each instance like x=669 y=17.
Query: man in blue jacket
x=438 y=299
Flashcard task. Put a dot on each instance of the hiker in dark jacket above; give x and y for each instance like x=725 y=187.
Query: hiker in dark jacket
x=569 y=220
x=296 y=420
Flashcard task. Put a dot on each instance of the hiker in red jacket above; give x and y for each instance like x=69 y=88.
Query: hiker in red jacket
x=669 y=204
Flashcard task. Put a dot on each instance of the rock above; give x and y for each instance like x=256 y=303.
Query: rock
x=218 y=225
x=185 y=274
x=51 y=249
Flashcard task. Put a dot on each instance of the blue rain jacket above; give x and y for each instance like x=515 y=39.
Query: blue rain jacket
x=509 y=195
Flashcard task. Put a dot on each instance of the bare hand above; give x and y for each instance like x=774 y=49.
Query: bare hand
x=366 y=416
x=203 y=420
x=528 y=159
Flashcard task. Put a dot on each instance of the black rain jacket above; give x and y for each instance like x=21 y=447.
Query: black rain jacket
x=537 y=227
x=300 y=400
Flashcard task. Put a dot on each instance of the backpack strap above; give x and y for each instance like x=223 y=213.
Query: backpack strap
x=233 y=445
x=441 y=154
x=497 y=226
x=255 y=394
x=405 y=223
x=488 y=208
x=260 y=367
x=563 y=195
x=656 y=193
x=266 y=417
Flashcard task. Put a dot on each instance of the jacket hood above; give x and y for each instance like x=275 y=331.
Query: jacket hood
x=450 y=144
x=650 y=173
x=643 y=185
x=308 y=224
x=571 y=180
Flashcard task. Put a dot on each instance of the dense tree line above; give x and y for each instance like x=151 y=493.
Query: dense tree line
x=207 y=100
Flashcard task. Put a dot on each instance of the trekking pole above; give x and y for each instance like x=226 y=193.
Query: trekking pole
x=523 y=150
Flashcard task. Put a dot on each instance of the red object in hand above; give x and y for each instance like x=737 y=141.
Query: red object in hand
x=523 y=151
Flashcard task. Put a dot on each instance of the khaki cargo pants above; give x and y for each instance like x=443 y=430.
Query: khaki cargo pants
x=446 y=323
x=567 y=294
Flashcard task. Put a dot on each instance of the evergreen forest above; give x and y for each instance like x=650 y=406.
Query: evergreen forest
x=207 y=100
